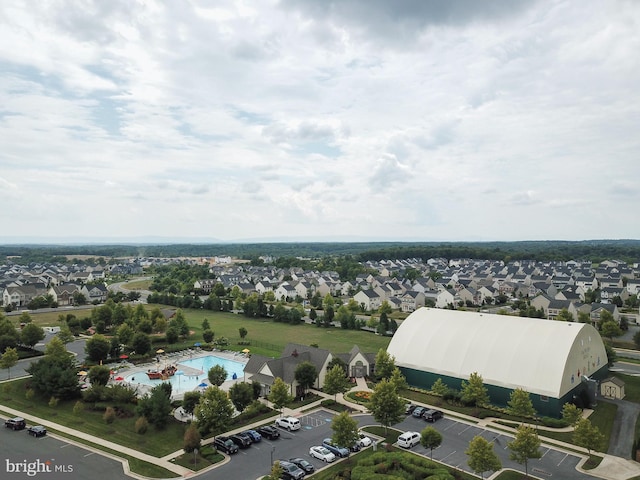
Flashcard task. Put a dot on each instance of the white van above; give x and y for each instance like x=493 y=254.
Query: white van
x=290 y=423
x=408 y=439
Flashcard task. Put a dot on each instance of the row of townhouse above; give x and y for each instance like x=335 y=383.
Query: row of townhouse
x=441 y=282
x=20 y=296
x=552 y=307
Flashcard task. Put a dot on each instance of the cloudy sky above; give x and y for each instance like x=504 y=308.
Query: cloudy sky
x=320 y=120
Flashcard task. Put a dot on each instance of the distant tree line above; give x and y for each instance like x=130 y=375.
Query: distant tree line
x=298 y=254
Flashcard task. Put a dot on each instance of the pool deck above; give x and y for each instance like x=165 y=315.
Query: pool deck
x=128 y=369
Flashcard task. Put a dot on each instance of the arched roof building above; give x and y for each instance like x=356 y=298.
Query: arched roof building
x=544 y=357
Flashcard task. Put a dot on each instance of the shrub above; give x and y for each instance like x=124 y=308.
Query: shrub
x=141 y=426
x=29 y=393
x=109 y=415
x=53 y=402
x=78 y=408
x=554 y=422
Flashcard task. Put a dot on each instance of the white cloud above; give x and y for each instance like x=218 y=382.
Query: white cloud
x=420 y=120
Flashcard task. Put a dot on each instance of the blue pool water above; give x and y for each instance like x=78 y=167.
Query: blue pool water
x=186 y=379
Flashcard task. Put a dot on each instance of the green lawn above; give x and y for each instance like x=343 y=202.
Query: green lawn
x=267 y=337
x=121 y=431
x=631 y=388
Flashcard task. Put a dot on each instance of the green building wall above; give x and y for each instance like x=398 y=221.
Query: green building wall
x=499 y=396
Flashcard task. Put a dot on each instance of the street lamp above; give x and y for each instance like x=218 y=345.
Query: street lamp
x=273 y=449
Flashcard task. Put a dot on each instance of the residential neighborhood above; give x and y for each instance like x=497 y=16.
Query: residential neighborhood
x=578 y=287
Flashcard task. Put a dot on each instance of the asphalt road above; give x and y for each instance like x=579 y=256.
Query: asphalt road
x=71 y=461
x=20 y=369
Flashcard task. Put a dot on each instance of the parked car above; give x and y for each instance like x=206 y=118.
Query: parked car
x=303 y=464
x=363 y=440
x=409 y=408
x=418 y=411
x=269 y=432
x=290 y=471
x=17 y=423
x=37 y=431
x=225 y=444
x=432 y=415
x=337 y=450
x=321 y=453
x=253 y=435
x=241 y=440
x=408 y=439
x=290 y=423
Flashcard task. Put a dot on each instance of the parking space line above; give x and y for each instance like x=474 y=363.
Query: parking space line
x=563 y=459
x=65 y=445
x=462 y=431
x=546 y=451
x=443 y=458
x=88 y=454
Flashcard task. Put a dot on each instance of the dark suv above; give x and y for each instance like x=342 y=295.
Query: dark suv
x=16 y=423
x=242 y=440
x=226 y=445
x=269 y=432
x=290 y=471
x=432 y=415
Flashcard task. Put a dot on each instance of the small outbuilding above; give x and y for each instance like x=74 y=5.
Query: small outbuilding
x=612 y=387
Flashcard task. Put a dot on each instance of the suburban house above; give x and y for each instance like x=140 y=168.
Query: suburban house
x=95 y=293
x=369 y=299
x=63 y=294
x=20 y=296
x=285 y=291
x=412 y=300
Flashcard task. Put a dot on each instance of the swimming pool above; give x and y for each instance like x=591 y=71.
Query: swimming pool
x=190 y=373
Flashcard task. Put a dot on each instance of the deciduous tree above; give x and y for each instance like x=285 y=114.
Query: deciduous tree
x=384 y=364
x=571 y=414
x=306 y=374
x=386 y=405
x=192 y=439
x=525 y=446
x=241 y=395
x=214 y=411
x=335 y=381
x=97 y=348
x=430 y=438
x=9 y=359
x=345 y=430
x=279 y=395
x=217 y=375
x=482 y=458
x=587 y=435
x=31 y=334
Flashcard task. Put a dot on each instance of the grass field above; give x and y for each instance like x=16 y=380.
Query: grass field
x=266 y=337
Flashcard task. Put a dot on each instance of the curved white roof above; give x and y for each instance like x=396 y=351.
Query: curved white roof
x=544 y=357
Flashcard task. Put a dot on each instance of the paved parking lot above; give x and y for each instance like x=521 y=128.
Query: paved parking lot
x=457 y=435
x=71 y=461
x=256 y=460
